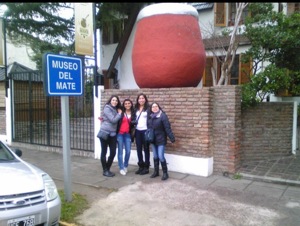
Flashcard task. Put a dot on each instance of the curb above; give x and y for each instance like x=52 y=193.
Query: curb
x=270 y=179
x=61 y=223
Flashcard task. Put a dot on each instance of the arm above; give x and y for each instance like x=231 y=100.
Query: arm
x=111 y=115
x=167 y=127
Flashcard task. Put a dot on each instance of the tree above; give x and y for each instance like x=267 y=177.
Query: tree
x=232 y=47
x=40 y=26
x=225 y=46
x=43 y=27
x=275 y=43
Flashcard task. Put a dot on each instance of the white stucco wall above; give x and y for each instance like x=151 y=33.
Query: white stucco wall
x=126 y=77
x=19 y=54
x=206 y=22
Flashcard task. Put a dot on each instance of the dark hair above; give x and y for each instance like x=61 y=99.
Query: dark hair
x=150 y=107
x=137 y=105
x=131 y=109
x=119 y=103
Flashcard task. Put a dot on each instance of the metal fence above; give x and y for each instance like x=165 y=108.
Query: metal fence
x=36 y=118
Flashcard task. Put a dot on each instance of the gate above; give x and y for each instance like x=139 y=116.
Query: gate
x=36 y=118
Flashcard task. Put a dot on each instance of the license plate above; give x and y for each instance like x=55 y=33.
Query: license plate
x=24 y=221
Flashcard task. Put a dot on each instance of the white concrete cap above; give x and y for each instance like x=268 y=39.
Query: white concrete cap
x=167 y=8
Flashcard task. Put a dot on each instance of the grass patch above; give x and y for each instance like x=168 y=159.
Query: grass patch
x=70 y=210
x=237 y=176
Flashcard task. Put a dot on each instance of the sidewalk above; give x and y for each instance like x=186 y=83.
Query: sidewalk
x=284 y=170
x=183 y=198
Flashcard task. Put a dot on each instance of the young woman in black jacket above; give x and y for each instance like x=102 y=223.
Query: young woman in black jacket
x=159 y=122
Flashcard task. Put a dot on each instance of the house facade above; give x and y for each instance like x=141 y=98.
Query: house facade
x=213 y=19
x=18 y=60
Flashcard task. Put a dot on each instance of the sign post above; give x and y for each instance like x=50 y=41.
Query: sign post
x=64 y=77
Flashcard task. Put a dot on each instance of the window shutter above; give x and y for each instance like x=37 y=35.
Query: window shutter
x=245 y=71
x=220 y=14
x=207 y=76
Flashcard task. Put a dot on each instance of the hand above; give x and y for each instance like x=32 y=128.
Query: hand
x=119 y=111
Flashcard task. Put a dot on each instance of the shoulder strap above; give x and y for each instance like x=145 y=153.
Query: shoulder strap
x=139 y=116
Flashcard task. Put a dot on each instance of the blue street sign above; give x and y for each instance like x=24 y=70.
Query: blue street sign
x=63 y=75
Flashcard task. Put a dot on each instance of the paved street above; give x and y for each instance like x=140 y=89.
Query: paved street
x=181 y=200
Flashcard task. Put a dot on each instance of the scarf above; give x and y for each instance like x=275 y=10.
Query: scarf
x=156 y=115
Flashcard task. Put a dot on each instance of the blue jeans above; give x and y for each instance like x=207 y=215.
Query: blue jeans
x=158 y=152
x=124 y=140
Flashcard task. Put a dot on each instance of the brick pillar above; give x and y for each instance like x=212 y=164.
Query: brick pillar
x=226 y=128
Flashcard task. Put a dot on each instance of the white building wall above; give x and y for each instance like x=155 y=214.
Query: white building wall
x=20 y=54
x=126 y=76
x=206 y=22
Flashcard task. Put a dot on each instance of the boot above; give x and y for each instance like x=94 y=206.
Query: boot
x=107 y=173
x=108 y=165
x=141 y=167
x=156 y=168
x=165 y=170
x=145 y=169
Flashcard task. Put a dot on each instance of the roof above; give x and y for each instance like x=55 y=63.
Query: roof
x=202 y=5
x=219 y=42
x=17 y=68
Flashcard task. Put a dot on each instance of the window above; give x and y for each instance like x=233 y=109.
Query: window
x=232 y=13
x=221 y=14
x=280 y=7
x=240 y=72
x=207 y=75
x=113 y=31
x=234 y=77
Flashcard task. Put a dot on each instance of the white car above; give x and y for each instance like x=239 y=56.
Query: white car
x=28 y=195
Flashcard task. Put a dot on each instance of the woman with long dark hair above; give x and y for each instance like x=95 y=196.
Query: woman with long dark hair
x=108 y=133
x=159 y=122
x=124 y=135
x=141 y=114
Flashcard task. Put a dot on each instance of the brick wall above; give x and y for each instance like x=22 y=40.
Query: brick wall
x=267 y=130
x=226 y=128
x=208 y=122
x=188 y=110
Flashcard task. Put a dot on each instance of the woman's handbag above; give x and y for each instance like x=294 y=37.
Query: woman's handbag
x=132 y=133
x=103 y=134
x=133 y=125
x=149 y=135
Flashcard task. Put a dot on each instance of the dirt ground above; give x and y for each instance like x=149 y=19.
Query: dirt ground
x=173 y=203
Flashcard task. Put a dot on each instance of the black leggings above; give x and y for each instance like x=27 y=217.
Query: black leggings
x=140 y=144
x=111 y=142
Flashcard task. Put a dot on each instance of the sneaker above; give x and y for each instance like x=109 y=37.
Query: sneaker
x=125 y=169
x=122 y=172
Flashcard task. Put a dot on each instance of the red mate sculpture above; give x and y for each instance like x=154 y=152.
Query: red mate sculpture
x=168 y=50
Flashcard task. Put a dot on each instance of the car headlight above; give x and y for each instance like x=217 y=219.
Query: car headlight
x=50 y=188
